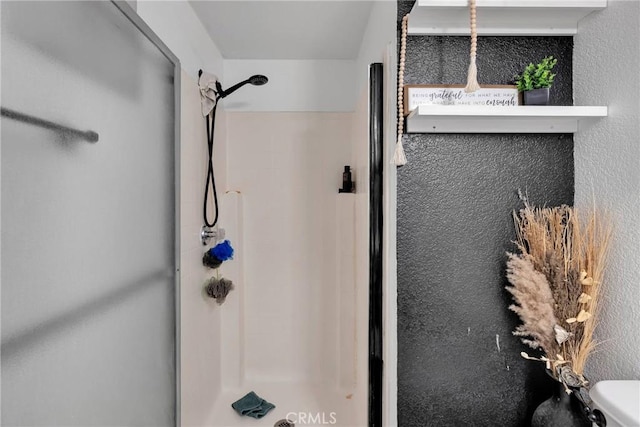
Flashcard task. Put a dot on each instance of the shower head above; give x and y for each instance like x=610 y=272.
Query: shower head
x=257 y=80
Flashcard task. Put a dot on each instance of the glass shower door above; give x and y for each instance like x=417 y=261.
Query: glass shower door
x=88 y=265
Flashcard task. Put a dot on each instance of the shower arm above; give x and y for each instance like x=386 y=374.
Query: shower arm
x=224 y=93
x=255 y=80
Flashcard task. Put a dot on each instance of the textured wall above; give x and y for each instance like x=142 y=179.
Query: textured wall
x=607 y=157
x=455 y=197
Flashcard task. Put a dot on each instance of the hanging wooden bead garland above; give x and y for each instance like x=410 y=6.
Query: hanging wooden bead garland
x=472 y=77
x=399 y=157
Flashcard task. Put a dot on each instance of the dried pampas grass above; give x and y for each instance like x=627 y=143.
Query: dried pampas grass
x=534 y=304
x=569 y=250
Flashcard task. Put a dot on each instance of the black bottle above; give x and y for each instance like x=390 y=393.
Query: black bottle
x=347 y=184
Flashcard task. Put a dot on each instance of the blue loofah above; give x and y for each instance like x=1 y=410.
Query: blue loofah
x=223 y=251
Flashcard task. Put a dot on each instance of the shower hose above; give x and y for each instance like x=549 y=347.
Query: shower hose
x=211 y=179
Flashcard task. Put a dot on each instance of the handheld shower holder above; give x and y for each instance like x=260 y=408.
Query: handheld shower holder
x=209 y=233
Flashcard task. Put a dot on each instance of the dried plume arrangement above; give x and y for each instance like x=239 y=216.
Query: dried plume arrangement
x=556 y=281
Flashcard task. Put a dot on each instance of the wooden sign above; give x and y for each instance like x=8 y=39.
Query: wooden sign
x=492 y=95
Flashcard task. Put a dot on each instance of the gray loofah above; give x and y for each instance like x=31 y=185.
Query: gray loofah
x=218 y=288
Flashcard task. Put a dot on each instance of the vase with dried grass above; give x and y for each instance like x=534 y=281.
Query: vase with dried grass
x=556 y=279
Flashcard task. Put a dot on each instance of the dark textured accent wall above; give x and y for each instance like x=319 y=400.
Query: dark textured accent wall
x=455 y=198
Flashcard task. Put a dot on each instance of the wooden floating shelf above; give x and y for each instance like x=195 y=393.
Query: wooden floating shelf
x=501 y=17
x=486 y=119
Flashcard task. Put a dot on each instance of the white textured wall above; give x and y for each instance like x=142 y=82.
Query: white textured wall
x=607 y=171
x=294 y=85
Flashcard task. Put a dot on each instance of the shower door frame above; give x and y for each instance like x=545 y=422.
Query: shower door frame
x=376 y=247
x=139 y=23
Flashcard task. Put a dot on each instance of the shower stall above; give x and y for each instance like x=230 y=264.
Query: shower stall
x=103 y=162
x=295 y=329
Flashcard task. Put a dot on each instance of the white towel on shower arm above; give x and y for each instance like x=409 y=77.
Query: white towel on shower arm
x=208 y=93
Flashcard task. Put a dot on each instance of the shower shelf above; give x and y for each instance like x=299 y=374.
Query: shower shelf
x=501 y=17
x=484 y=119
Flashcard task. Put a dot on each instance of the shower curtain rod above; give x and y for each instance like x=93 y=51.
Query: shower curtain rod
x=89 y=135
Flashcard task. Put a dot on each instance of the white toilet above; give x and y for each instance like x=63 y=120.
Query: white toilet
x=619 y=401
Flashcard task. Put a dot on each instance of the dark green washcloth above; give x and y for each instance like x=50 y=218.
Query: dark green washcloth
x=252 y=406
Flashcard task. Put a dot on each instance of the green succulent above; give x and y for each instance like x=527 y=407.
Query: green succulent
x=536 y=76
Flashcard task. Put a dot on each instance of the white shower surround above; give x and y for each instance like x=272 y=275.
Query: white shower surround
x=295 y=328
x=221 y=360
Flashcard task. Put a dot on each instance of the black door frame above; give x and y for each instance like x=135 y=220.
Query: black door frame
x=376 y=139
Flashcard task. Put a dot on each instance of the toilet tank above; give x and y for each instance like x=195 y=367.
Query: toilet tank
x=619 y=401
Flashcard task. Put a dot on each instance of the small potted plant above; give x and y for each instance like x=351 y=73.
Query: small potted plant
x=535 y=81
